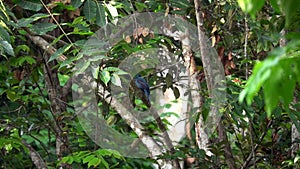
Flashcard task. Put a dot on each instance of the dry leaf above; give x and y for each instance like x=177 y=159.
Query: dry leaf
x=229 y=55
x=139 y=31
x=232 y=65
x=213 y=41
x=141 y=40
x=135 y=35
x=214 y=29
x=167 y=10
x=74 y=14
x=19 y=74
x=218 y=38
x=221 y=53
x=127 y=39
x=145 y=32
x=151 y=36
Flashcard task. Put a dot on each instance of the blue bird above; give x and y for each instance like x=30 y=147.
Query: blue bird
x=142 y=84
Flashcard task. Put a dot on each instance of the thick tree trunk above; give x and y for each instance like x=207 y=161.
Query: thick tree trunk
x=212 y=69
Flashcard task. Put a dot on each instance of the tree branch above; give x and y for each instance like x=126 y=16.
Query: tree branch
x=35 y=156
x=212 y=69
x=149 y=142
x=249 y=158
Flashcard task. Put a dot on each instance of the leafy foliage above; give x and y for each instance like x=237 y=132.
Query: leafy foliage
x=280 y=72
x=93 y=159
x=26 y=114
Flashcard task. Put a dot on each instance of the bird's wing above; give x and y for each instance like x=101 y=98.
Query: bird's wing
x=143 y=83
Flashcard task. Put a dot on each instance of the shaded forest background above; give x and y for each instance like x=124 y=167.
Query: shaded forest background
x=257 y=42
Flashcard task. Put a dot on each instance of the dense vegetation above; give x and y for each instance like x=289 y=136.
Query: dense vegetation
x=48 y=120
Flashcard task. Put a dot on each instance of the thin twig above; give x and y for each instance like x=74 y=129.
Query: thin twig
x=166 y=137
x=252 y=144
x=249 y=158
x=245 y=46
x=56 y=22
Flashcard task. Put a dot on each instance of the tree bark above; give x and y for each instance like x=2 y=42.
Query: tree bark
x=201 y=135
x=149 y=142
x=227 y=148
x=35 y=157
x=55 y=91
x=212 y=68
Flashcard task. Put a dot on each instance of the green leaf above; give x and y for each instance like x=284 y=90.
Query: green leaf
x=10 y=143
x=75 y=87
x=24 y=48
x=24 y=22
x=61 y=6
x=169 y=80
x=103 y=162
x=7 y=47
x=94 y=162
x=68 y=160
x=63 y=79
x=294 y=118
x=111 y=120
x=64 y=159
x=168 y=105
x=140 y=6
x=1 y=91
x=280 y=86
x=169 y=114
x=90 y=9
x=277 y=75
x=261 y=72
x=121 y=72
x=82 y=154
x=28 y=59
x=30 y=5
x=275 y=5
x=251 y=6
x=76 y=3
x=67 y=62
x=11 y=95
x=288 y=82
x=4 y=35
x=100 y=15
x=97 y=57
x=115 y=69
x=105 y=76
x=115 y=79
x=59 y=52
x=43 y=28
x=176 y=92
x=182 y=4
x=57 y=39
x=289 y=8
x=271 y=93
x=109 y=152
x=88 y=159
x=82 y=66
x=95 y=72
